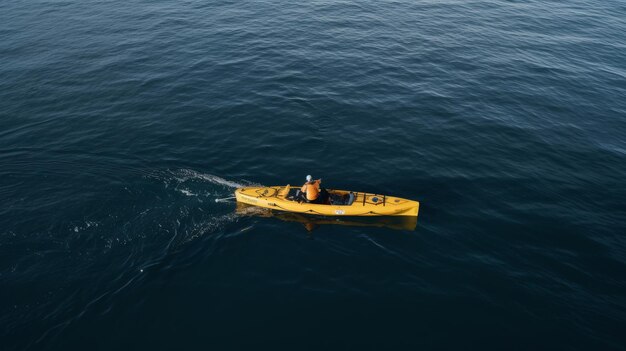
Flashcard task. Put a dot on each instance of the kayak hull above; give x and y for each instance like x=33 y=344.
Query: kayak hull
x=281 y=198
x=408 y=223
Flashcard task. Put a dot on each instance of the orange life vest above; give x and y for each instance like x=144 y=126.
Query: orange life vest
x=312 y=189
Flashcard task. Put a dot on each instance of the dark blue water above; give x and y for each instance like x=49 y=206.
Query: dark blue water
x=121 y=122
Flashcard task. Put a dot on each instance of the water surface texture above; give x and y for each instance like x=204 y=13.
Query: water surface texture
x=121 y=122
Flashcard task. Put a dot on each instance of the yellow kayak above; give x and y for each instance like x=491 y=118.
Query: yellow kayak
x=341 y=202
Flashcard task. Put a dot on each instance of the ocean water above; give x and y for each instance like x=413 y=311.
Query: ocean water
x=121 y=123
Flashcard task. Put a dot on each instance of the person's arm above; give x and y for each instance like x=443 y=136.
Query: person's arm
x=303 y=189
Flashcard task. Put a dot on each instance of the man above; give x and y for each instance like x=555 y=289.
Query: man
x=311 y=190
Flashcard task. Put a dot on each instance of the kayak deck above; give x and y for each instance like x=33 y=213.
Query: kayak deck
x=342 y=202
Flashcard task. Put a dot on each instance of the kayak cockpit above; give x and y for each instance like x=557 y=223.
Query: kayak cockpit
x=336 y=198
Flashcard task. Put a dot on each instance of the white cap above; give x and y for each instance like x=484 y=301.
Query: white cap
x=308 y=178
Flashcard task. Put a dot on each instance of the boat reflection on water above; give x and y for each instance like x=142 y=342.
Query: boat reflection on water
x=312 y=222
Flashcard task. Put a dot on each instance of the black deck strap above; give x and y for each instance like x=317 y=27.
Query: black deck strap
x=364 y=198
x=384 y=199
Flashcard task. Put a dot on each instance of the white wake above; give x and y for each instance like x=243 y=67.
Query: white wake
x=183 y=175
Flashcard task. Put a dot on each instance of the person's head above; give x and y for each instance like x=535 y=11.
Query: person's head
x=309 y=178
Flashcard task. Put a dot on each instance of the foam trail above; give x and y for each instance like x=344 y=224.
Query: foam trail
x=220 y=181
x=224 y=199
x=186 y=174
x=186 y=192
